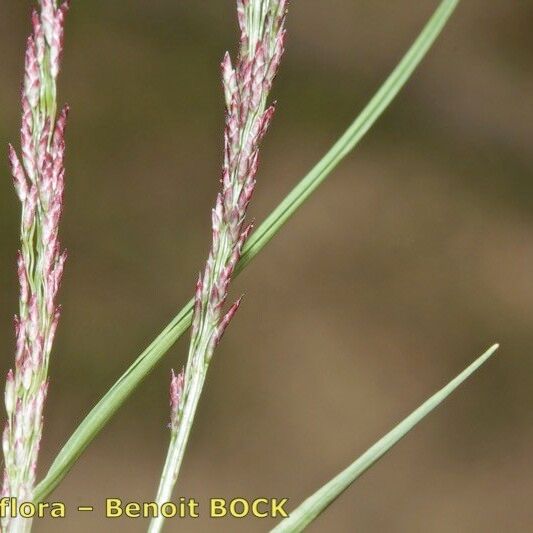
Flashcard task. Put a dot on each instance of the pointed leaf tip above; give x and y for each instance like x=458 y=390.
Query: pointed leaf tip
x=316 y=504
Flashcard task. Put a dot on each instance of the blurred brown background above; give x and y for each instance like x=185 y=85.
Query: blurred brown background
x=410 y=260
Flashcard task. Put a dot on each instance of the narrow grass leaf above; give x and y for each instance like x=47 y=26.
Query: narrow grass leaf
x=141 y=367
x=316 y=504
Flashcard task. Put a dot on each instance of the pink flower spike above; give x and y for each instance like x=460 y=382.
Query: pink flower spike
x=246 y=84
x=38 y=178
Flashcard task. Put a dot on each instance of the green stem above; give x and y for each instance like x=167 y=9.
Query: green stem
x=177 y=447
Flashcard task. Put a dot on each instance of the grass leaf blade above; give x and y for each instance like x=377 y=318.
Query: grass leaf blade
x=311 y=508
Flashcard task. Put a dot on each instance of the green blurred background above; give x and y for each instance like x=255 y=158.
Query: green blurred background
x=412 y=259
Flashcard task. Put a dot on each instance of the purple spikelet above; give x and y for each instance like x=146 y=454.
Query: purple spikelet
x=224 y=323
x=176 y=394
x=38 y=177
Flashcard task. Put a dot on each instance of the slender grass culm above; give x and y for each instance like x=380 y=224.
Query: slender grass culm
x=246 y=88
x=39 y=183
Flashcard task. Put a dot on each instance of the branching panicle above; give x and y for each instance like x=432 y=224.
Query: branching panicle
x=246 y=88
x=39 y=184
